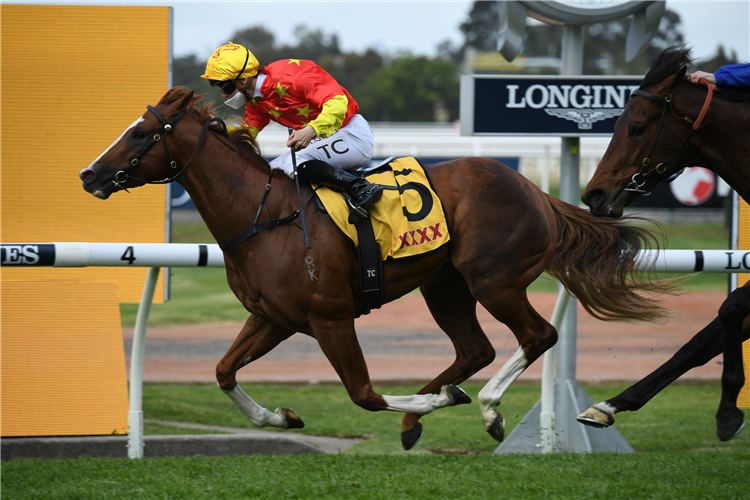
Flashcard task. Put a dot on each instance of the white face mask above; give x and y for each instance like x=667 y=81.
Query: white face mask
x=237 y=101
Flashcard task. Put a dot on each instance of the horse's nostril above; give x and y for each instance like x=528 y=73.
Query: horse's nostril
x=88 y=175
x=592 y=197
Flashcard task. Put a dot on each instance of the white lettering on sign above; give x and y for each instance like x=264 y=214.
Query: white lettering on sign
x=20 y=254
x=583 y=104
x=540 y=96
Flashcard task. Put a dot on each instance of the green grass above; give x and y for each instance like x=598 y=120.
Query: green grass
x=203 y=296
x=680 y=419
x=661 y=476
x=678 y=455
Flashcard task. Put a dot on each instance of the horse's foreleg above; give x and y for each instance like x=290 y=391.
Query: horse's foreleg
x=256 y=338
x=454 y=309
x=702 y=348
x=734 y=310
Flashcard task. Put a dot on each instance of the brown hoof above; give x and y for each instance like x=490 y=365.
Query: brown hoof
x=411 y=437
x=458 y=395
x=594 y=417
x=497 y=429
x=292 y=419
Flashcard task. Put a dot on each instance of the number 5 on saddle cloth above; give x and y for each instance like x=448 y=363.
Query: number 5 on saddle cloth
x=407 y=221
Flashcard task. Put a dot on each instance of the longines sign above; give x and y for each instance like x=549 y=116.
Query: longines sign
x=543 y=105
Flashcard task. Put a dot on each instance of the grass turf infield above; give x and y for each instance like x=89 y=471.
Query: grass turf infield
x=667 y=475
x=678 y=455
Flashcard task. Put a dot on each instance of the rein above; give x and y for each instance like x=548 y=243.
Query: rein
x=667 y=103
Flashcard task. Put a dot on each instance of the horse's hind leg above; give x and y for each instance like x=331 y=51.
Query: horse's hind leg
x=734 y=310
x=256 y=339
x=534 y=334
x=454 y=308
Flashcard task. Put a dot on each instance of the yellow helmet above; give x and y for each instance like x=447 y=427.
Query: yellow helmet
x=231 y=62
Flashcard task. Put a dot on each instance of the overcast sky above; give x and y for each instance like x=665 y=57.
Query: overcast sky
x=389 y=26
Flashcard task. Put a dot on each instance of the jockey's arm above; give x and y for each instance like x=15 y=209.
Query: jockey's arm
x=328 y=121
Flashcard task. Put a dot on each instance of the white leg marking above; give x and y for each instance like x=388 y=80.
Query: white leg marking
x=420 y=404
x=139 y=120
x=607 y=408
x=258 y=415
x=492 y=393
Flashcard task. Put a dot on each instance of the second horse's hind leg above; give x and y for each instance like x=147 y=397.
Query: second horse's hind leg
x=256 y=338
x=454 y=308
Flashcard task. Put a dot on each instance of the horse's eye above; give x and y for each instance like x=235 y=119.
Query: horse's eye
x=139 y=134
x=637 y=130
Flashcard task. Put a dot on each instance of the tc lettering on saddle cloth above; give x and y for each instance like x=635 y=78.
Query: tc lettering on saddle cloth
x=407 y=221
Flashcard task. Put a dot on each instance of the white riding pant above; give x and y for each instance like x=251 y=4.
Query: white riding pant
x=347 y=148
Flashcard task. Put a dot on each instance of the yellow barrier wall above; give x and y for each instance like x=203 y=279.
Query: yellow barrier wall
x=743 y=243
x=63 y=363
x=100 y=67
x=62 y=360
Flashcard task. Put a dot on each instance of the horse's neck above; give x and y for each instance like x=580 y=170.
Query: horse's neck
x=724 y=145
x=227 y=191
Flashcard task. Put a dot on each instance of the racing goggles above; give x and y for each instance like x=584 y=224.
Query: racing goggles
x=227 y=87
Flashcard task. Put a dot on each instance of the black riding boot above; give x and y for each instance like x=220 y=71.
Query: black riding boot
x=362 y=192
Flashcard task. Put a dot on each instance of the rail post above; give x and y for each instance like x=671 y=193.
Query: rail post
x=138 y=352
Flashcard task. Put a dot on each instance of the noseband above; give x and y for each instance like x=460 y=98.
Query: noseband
x=122 y=176
x=666 y=102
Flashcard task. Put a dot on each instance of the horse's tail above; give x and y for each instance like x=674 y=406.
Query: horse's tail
x=596 y=260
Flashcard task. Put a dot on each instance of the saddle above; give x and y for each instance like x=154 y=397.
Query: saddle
x=407 y=221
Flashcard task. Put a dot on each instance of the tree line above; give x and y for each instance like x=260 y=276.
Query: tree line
x=409 y=88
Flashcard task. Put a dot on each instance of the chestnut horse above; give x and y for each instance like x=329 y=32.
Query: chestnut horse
x=669 y=124
x=505 y=233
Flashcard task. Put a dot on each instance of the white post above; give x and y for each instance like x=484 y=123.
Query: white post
x=135 y=415
x=547 y=413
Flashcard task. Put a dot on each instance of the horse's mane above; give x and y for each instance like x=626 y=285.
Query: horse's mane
x=239 y=137
x=669 y=62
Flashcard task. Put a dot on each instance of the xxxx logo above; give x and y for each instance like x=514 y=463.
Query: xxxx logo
x=419 y=236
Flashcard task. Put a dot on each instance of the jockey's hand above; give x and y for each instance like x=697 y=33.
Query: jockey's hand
x=702 y=75
x=301 y=138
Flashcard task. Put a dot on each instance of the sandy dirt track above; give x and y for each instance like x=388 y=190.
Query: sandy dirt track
x=402 y=342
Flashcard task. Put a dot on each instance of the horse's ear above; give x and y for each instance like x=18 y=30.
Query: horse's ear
x=670 y=82
x=182 y=103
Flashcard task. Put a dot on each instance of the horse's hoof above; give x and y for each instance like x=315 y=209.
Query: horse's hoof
x=292 y=419
x=596 y=417
x=411 y=437
x=458 y=395
x=727 y=428
x=497 y=429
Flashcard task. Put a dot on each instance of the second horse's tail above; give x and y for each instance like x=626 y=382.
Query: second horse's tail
x=596 y=260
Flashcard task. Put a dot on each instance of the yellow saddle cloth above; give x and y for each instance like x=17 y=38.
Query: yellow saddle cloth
x=407 y=221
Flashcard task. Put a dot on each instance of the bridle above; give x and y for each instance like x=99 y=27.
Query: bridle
x=667 y=103
x=122 y=176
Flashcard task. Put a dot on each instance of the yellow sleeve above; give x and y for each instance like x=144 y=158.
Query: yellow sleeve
x=331 y=116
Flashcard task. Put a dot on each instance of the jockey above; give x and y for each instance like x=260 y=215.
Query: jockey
x=329 y=133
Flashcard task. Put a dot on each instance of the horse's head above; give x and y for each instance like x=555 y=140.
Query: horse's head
x=646 y=149
x=137 y=157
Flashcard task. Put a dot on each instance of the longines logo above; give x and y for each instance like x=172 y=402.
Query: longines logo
x=582 y=104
